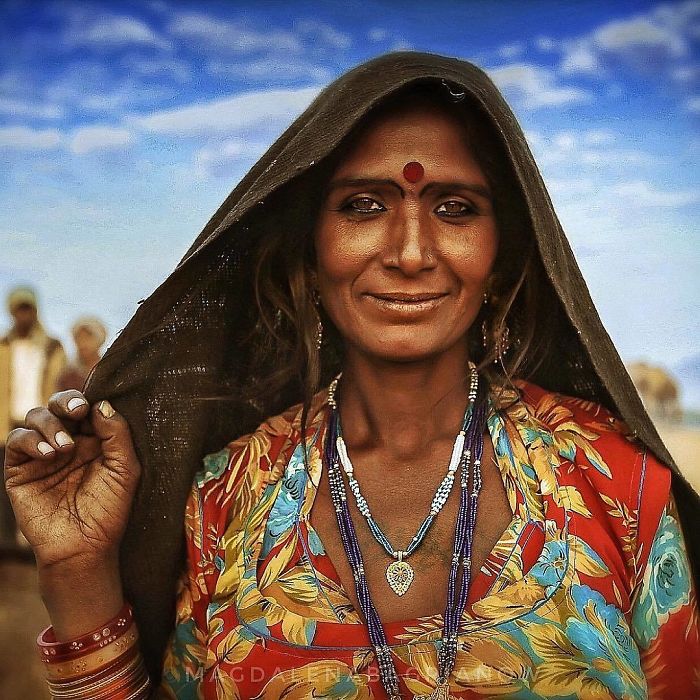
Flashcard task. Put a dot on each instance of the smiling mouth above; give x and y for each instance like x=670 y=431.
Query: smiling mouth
x=401 y=302
x=404 y=298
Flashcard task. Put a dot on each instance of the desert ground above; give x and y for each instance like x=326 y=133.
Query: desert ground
x=22 y=615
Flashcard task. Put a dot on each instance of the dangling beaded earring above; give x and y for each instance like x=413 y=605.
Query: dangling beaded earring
x=316 y=298
x=501 y=343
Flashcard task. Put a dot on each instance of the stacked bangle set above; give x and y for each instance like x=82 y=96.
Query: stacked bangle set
x=104 y=664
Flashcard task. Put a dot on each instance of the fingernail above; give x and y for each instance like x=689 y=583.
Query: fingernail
x=76 y=402
x=105 y=408
x=44 y=448
x=62 y=438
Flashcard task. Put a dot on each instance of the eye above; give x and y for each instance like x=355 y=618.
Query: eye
x=363 y=205
x=454 y=208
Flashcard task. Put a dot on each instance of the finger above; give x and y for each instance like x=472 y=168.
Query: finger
x=113 y=430
x=50 y=427
x=23 y=444
x=71 y=405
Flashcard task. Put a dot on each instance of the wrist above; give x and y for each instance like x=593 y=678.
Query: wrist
x=80 y=598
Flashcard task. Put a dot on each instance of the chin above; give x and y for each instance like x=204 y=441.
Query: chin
x=416 y=347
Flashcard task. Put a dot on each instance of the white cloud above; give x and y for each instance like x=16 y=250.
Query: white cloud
x=225 y=116
x=616 y=157
x=646 y=41
x=643 y=194
x=377 y=34
x=570 y=187
x=22 y=108
x=23 y=138
x=693 y=104
x=545 y=43
x=99 y=138
x=320 y=33
x=129 y=94
x=598 y=137
x=537 y=86
x=591 y=148
x=231 y=36
x=271 y=69
x=114 y=31
x=686 y=74
x=509 y=51
x=158 y=67
x=221 y=159
x=639 y=32
x=580 y=58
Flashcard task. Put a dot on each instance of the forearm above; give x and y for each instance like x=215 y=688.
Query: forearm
x=80 y=598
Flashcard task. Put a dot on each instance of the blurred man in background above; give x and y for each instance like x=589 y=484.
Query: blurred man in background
x=30 y=364
x=89 y=335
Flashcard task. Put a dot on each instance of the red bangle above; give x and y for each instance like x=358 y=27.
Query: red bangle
x=53 y=652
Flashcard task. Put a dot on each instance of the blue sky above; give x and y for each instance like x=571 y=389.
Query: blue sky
x=123 y=125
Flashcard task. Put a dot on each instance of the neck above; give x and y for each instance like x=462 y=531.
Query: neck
x=88 y=360
x=23 y=331
x=403 y=407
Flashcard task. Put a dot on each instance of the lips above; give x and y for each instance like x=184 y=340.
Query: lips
x=407 y=298
x=404 y=306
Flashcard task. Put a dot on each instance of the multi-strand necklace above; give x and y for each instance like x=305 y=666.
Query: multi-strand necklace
x=469 y=465
x=400 y=573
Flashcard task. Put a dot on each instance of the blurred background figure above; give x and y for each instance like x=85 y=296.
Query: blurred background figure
x=658 y=390
x=30 y=364
x=89 y=335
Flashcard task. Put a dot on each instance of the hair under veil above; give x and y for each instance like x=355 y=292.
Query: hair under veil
x=222 y=344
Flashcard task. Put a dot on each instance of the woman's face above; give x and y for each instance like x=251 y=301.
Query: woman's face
x=402 y=267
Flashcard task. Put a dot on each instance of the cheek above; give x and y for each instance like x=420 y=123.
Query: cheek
x=473 y=255
x=342 y=252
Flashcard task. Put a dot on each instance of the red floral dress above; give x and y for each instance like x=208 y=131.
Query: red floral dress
x=587 y=594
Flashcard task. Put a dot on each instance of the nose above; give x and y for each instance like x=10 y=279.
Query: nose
x=409 y=245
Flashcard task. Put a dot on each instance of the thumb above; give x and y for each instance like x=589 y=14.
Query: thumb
x=114 y=434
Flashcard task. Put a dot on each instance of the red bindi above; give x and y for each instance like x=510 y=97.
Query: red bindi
x=413 y=171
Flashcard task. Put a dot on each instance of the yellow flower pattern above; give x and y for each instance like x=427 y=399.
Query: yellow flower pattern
x=587 y=594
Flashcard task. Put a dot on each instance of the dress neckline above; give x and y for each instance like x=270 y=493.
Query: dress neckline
x=275 y=552
x=482 y=579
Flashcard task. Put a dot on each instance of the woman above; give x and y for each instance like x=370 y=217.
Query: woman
x=424 y=527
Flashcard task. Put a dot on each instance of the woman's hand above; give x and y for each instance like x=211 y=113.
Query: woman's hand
x=71 y=474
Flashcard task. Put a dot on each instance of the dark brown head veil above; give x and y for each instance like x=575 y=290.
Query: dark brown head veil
x=188 y=340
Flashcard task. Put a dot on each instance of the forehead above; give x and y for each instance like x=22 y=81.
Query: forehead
x=422 y=132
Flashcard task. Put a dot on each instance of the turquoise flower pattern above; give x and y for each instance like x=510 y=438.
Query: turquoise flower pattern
x=665 y=586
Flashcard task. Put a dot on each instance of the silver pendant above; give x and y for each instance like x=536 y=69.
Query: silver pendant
x=441 y=692
x=400 y=575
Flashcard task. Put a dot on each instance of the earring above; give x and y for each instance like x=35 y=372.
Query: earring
x=319 y=334
x=501 y=343
x=316 y=298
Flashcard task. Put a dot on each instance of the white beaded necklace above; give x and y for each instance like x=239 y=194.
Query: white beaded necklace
x=400 y=573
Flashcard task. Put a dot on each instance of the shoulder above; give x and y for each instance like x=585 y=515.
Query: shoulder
x=230 y=483
x=53 y=345
x=235 y=476
x=597 y=431
x=630 y=485
x=255 y=451
x=591 y=421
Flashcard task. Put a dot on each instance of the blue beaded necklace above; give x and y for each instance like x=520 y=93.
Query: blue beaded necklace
x=470 y=486
x=400 y=573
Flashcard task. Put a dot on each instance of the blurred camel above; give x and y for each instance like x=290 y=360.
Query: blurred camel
x=658 y=389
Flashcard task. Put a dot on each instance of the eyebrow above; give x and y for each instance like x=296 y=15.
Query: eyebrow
x=447 y=184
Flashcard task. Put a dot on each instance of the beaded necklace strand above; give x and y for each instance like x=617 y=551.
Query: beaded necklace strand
x=470 y=486
x=400 y=573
